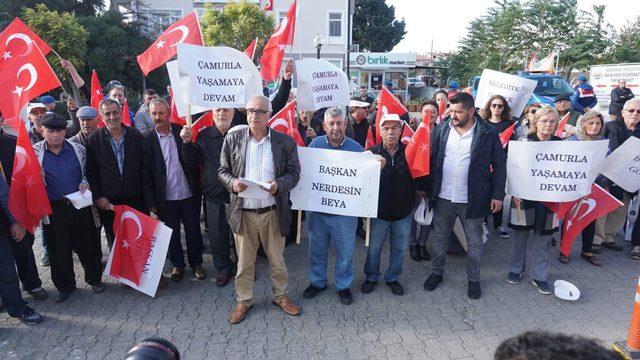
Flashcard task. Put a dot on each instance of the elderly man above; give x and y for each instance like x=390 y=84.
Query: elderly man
x=358 y=126
x=67 y=229
x=171 y=189
x=468 y=175
x=114 y=165
x=327 y=228
x=144 y=122
x=562 y=104
x=620 y=95
x=88 y=119
x=206 y=152
x=35 y=112
x=259 y=154
x=396 y=201
x=618 y=132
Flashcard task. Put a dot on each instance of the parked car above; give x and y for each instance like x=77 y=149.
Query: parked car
x=415 y=82
x=549 y=86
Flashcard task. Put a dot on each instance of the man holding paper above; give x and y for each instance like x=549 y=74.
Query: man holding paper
x=260 y=155
x=67 y=228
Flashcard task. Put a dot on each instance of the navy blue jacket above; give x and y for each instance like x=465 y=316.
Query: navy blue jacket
x=486 y=153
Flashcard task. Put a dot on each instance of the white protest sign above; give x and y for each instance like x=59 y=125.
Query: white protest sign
x=219 y=77
x=555 y=171
x=180 y=89
x=623 y=165
x=337 y=182
x=155 y=264
x=321 y=84
x=517 y=90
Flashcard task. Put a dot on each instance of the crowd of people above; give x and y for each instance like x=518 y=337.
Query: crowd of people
x=162 y=169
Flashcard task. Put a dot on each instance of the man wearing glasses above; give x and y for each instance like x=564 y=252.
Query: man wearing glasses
x=265 y=156
x=618 y=132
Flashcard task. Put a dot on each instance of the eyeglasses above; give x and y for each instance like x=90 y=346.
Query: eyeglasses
x=256 y=112
x=633 y=111
x=499 y=106
x=532 y=111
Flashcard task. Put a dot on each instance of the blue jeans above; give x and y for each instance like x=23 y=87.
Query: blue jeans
x=399 y=232
x=340 y=230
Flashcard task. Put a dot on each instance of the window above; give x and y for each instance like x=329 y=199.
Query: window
x=281 y=15
x=335 y=24
x=157 y=20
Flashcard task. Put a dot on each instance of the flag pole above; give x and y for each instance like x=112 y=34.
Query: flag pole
x=188 y=117
x=368 y=231
x=299 y=226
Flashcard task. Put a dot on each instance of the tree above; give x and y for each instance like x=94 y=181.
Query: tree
x=62 y=32
x=626 y=47
x=11 y=9
x=236 y=26
x=375 y=27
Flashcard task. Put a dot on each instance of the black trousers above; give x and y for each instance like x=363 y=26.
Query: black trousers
x=9 y=287
x=72 y=229
x=220 y=237
x=26 y=262
x=635 y=234
x=187 y=212
x=587 y=237
x=107 y=216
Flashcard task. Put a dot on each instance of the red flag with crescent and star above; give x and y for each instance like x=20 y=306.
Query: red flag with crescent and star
x=285 y=122
x=17 y=40
x=417 y=152
x=583 y=212
x=506 y=135
x=28 y=200
x=185 y=30
x=132 y=245
x=273 y=52
x=203 y=122
x=22 y=80
x=389 y=104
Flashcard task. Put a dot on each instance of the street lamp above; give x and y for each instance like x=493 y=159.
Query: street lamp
x=318 y=41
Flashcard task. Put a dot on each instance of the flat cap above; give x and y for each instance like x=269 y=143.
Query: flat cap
x=562 y=97
x=87 y=113
x=54 y=121
x=47 y=99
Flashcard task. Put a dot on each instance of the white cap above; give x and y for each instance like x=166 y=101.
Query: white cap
x=356 y=103
x=565 y=290
x=32 y=106
x=423 y=214
x=390 y=117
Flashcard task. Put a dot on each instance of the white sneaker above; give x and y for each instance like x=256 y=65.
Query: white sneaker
x=502 y=232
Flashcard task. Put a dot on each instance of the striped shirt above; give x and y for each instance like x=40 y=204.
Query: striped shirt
x=259 y=167
x=118 y=150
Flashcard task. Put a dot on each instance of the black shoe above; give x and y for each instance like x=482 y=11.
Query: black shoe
x=432 y=282
x=30 y=316
x=62 y=296
x=396 y=288
x=612 y=246
x=312 y=291
x=367 y=287
x=98 y=288
x=474 y=291
x=38 y=293
x=415 y=253
x=345 y=297
x=424 y=254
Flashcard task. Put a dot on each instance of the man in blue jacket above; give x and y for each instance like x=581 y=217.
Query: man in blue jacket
x=583 y=98
x=464 y=150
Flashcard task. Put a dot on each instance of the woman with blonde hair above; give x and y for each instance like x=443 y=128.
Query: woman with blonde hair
x=526 y=215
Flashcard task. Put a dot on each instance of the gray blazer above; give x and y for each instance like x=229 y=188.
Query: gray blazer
x=286 y=167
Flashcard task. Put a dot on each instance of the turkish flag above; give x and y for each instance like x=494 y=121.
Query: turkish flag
x=407 y=134
x=369 y=142
x=268 y=6
x=17 y=40
x=186 y=30
x=285 y=122
x=562 y=124
x=22 y=80
x=132 y=245
x=28 y=200
x=126 y=117
x=202 y=123
x=273 y=52
x=506 y=135
x=417 y=152
x=251 y=49
x=96 y=95
x=586 y=210
x=389 y=104
x=175 y=119
x=560 y=209
x=442 y=107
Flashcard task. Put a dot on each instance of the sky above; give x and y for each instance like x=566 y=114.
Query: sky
x=450 y=24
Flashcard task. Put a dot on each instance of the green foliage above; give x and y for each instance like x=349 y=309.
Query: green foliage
x=10 y=9
x=375 y=26
x=626 y=47
x=236 y=26
x=62 y=32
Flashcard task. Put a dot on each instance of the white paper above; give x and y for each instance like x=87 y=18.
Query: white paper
x=321 y=84
x=517 y=90
x=155 y=265
x=337 y=182
x=623 y=165
x=80 y=201
x=180 y=88
x=254 y=189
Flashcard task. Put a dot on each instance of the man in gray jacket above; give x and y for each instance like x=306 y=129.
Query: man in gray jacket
x=266 y=156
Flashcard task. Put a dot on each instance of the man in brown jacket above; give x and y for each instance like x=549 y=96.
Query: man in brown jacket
x=266 y=156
